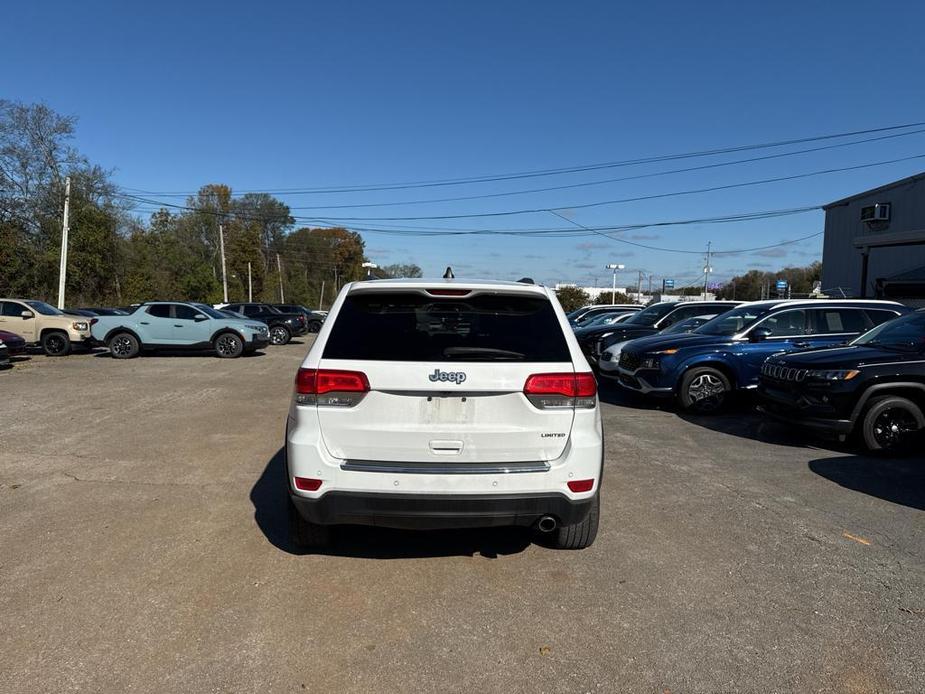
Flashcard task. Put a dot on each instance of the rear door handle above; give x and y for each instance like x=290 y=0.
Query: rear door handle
x=144 y=322
x=178 y=325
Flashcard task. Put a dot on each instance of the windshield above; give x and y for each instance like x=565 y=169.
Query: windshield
x=685 y=326
x=209 y=311
x=650 y=316
x=906 y=333
x=733 y=322
x=44 y=309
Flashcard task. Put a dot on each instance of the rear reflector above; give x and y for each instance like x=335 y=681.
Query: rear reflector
x=579 y=485
x=307 y=484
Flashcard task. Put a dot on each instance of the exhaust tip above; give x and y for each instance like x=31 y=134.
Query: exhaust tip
x=547 y=524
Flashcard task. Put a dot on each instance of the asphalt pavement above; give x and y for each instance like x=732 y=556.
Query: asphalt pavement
x=143 y=548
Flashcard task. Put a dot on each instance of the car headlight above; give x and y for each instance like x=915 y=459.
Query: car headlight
x=649 y=363
x=80 y=325
x=833 y=374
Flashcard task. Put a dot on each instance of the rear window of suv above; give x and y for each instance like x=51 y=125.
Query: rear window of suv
x=406 y=326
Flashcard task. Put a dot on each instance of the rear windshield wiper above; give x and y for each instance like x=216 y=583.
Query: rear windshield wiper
x=481 y=353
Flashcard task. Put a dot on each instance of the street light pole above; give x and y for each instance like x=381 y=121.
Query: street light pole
x=613 y=291
x=62 y=272
x=706 y=273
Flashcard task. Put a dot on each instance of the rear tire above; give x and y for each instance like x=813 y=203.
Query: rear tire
x=228 y=346
x=704 y=390
x=314 y=326
x=280 y=335
x=306 y=535
x=56 y=343
x=891 y=424
x=579 y=535
x=124 y=346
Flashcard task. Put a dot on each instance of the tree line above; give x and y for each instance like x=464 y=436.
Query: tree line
x=117 y=257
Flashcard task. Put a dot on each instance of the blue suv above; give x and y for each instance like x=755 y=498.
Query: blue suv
x=178 y=325
x=725 y=354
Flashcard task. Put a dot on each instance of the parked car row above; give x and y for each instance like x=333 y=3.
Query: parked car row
x=841 y=366
x=235 y=330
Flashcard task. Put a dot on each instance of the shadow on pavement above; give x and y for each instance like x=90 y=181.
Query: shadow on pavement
x=269 y=497
x=900 y=480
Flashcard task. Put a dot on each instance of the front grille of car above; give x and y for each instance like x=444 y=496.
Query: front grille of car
x=629 y=361
x=779 y=372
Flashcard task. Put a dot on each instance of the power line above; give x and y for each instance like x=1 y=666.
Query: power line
x=587 y=184
x=564 y=170
x=640 y=198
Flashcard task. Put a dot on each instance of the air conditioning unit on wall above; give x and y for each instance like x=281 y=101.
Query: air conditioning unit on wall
x=876 y=213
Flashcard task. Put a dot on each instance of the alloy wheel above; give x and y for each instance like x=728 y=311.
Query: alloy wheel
x=122 y=346
x=278 y=336
x=226 y=344
x=706 y=391
x=893 y=428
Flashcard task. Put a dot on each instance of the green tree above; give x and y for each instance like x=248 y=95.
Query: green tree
x=755 y=283
x=401 y=270
x=610 y=298
x=572 y=298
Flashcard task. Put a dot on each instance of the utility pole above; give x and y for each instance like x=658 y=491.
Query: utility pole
x=221 y=248
x=650 y=285
x=706 y=273
x=62 y=271
x=639 y=285
x=250 y=284
x=279 y=270
x=321 y=298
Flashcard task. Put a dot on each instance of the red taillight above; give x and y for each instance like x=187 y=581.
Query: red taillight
x=307 y=484
x=330 y=387
x=578 y=486
x=449 y=292
x=561 y=390
x=320 y=381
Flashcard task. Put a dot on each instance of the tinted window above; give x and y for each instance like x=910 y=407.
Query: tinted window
x=878 y=316
x=159 y=310
x=839 y=320
x=251 y=310
x=649 y=316
x=8 y=308
x=684 y=312
x=183 y=312
x=786 y=323
x=403 y=326
x=906 y=333
x=232 y=307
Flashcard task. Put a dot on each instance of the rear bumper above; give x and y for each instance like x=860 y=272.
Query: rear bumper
x=439 y=511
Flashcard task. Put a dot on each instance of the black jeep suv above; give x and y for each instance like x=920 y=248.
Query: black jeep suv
x=283 y=326
x=875 y=386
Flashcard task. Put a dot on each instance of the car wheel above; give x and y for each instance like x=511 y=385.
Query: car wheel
x=124 y=346
x=279 y=335
x=891 y=423
x=56 y=344
x=314 y=326
x=307 y=535
x=704 y=390
x=579 y=535
x=228 y=346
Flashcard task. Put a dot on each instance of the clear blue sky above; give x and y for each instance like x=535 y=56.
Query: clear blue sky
x=285 y=95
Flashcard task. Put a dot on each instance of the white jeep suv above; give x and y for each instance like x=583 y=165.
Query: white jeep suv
x=445 y=404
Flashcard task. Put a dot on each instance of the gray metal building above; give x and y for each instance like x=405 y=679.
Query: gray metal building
x=875 y=242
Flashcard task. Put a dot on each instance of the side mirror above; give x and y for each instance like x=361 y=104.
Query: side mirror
x=759 y=335
x=199 y=318
x=26 y=315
